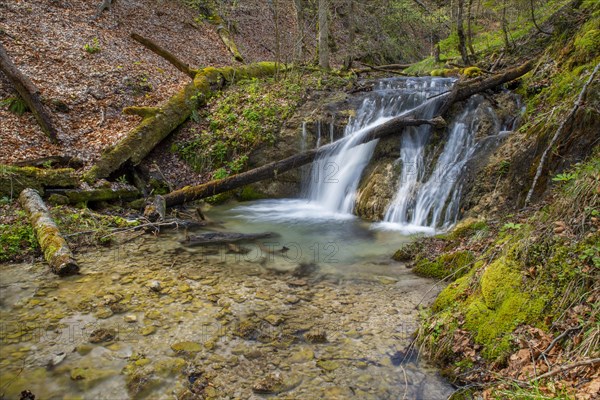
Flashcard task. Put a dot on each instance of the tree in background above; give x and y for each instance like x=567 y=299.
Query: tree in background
x=323 y=38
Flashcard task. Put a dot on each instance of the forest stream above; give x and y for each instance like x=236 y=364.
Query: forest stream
x=318 y=310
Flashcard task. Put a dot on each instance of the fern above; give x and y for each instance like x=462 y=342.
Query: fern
x=15 y=105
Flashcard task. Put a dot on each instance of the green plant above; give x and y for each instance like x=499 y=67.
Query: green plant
x=93 y=47
x=511 y=226
x=15 y=105
x=566 y=177
x=122 y=179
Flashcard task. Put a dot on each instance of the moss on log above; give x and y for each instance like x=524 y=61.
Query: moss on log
x=56 y=250
x=144 y=112
x=76 y=196
x=154 y=128
x=14 y=179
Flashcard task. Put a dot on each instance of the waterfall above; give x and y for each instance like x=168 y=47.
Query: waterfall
x=429 y=186
x=432 y=200
x=335 y=176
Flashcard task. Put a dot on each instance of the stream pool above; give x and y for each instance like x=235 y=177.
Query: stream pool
x=318 y=310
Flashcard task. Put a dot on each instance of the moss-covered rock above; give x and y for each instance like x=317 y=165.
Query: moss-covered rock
x=456 y=264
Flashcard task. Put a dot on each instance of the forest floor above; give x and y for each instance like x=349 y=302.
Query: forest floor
x=88 y=69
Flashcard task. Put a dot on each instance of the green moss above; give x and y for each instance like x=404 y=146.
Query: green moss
x=17 y=239
x=452 y=294
x=444 y=265
x=471 y=72
x=408 y=252
x=467 y=227
x=500 y=279
x=248 y=193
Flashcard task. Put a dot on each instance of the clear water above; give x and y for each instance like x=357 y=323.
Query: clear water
x=365 y=303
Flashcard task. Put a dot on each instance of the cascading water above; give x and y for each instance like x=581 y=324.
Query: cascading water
x=336 y=175
x=433 y=200
x=428 y=189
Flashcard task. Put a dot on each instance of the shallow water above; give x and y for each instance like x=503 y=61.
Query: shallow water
x=222 y=322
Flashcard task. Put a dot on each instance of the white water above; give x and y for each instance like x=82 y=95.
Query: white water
x=428 y=190
x=336 y=175
x=432 y=199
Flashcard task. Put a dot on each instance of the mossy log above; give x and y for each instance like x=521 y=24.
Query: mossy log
x=77 y=196
x=14 y=179
x=144 y=112
x=225 y=36
x=56 y=250
x=154 y=128
x=29 y=93
x=461 y=91
x=167 y=55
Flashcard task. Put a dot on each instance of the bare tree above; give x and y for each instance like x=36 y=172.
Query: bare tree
x=323 y=45
x=462 y=47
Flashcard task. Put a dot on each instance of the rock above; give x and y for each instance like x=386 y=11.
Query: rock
x=102 y=335
x=153 y=314
x=155 y=286
x=316 y=336
x=130 y=318
x=328 y=365
x=83 y=349
x=103 y=313
x=301 y=356
x=148 y=330
x=57 y=359
x=273 y=319
x=186 y=347
x=274 y=383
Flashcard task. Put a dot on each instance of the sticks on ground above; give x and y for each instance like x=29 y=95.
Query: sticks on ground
x=167 y=55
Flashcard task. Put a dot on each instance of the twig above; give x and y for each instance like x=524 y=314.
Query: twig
x=556 y=340
x=564 y=368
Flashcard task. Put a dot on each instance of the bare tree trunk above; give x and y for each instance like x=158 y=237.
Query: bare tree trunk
x=469 y=27
x=507 y=45
x=534 y=21
x=351 y=34
x=323 y=45
x=56 y=250
x=299 y=47
x=462 y=47
x=29 y=93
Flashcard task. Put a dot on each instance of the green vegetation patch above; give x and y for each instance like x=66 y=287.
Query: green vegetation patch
x=238 y=121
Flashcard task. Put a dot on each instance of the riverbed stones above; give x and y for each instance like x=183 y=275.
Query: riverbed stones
x=186 y=347
x=102 y=335
x=316 y=336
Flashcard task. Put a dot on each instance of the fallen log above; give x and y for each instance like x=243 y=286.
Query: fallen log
x=54 y=161
x=76 y=196
x=154 y=128
x=225 y=36
x=14 y=179
x=56 y=250
x=224 y=237
x=29 y=93
x=461 y=91
x=167 y=55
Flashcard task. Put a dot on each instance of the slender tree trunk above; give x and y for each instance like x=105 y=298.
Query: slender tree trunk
x=351 y=34
x=462 y=47
x=533 y=19
x=470 y=27
x=167 y=55
x=323 y=45
x=505 y=28
x=299 y=47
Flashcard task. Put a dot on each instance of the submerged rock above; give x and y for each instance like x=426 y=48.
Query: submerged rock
x=186 y=347
x=102 y=335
